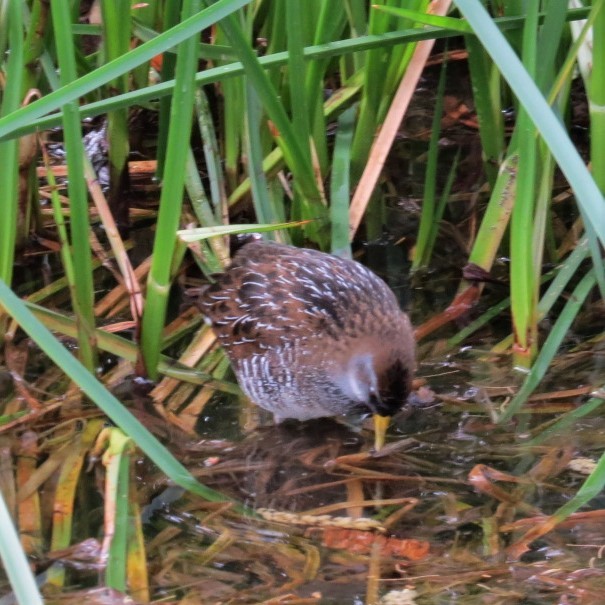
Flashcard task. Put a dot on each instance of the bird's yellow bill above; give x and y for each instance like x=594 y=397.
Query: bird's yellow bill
x=381 y=424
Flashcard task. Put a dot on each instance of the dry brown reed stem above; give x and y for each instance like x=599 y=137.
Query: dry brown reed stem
x=384 y=141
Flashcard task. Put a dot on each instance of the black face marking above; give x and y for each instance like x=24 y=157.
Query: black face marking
x=394 y=388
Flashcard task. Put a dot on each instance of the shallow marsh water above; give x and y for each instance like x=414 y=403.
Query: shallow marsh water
x=453 y=487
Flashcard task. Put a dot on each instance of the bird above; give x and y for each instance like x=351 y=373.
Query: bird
x=311 y=335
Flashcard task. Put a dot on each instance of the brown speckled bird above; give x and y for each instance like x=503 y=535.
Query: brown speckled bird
x=310 y=334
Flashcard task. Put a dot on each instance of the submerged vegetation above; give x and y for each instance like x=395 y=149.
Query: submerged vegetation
x=279 y=116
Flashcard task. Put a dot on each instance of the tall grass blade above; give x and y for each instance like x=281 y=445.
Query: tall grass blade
x=158 y=282
x=298 y=161
x=78 y=195
x=340 y=184
x=170 y=19
x=14 y=561
x=522 y=278
x=263 y=207
x=9 y=150
x=116 y=41
x=487 y=96
x=428 y=217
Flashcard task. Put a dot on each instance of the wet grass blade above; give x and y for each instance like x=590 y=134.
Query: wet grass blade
x=563 y=424
x=14 y=561
x=442 y=203
x=65 y=494
x=117 y=460
x=591 y=488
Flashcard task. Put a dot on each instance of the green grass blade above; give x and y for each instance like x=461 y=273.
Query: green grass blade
x=340 y=184
x=457 y=25
x=562 y=425
x=170 y=18
x=159 y=279
x=487 y=96
x=117 y=493
x=596 y=95
x=212 y=155
x=14 y=561
x=497 y=215
x=591 y=488
x=329 y=27
x=428 y=218
x=522 y=279
x=440 y=209
x=116 y=41
x=83 y=302
x=261 y=199
x=9 y=150
x=194 y=235
x=222 y=73
x=568 y=269
x=297 y=74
